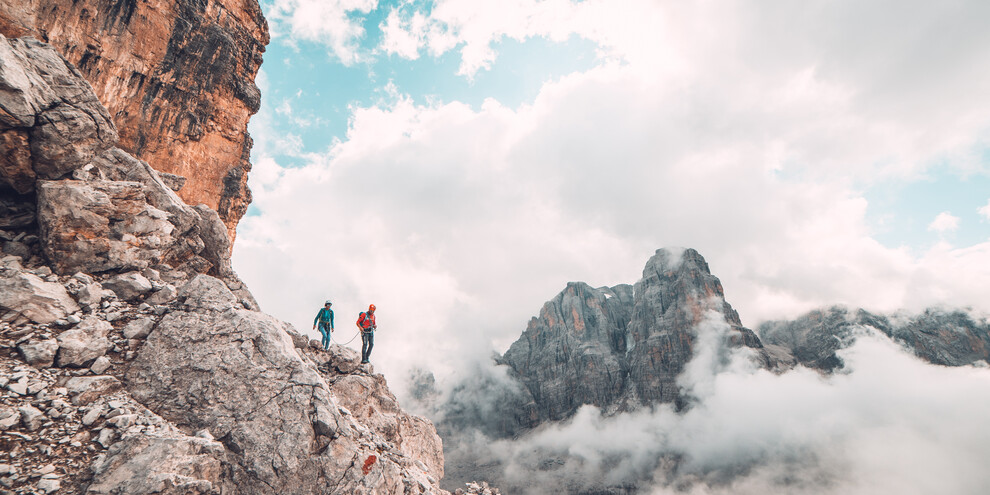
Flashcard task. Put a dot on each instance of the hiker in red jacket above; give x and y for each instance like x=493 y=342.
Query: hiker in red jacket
x=366 y=322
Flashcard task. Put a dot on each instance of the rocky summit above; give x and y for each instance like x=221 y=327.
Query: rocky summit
x=132 y=358
x=622 y=347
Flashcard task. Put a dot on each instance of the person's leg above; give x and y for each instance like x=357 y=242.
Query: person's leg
x=364 y=347
x=371 y=345
x=326 y=336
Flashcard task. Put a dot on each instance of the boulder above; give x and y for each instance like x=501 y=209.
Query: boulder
x=91 y=294
x=85 y=389
x=299 y=340
x=128 y=286
x=58 y=122
x=27 y=294
x=39 y=354
x=101 y=364
x=31 y=417
x=138 y=328
x=92 y=415
x=165 y=295
x=83 y=344
x=20 y=387
x=140 y=464
x=204 y=292
x=95 y=226
x=49 y=483
x=9 y=417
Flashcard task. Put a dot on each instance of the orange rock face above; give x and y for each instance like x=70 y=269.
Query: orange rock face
x=176 y=75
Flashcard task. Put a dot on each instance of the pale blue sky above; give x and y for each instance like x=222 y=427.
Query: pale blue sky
x=321 y=89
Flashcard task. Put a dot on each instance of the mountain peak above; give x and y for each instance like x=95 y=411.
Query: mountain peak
x=619 y=347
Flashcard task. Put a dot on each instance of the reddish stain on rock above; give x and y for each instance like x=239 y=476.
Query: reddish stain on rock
x=370 y=461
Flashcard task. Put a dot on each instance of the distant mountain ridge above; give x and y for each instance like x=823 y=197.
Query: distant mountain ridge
x=948 y=337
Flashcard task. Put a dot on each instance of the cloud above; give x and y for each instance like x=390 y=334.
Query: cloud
x=888 y=423
x=731 y=135
x=984 y=210
x=944 y=222
x=500 y=207
x=403 y=37
x=328 y=22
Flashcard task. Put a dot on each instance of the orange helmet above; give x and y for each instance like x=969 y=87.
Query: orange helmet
x=371 y=308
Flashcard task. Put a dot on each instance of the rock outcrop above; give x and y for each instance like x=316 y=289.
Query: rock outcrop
x=134 y=361
x=623 y=347
x=177 y=78
x=944 y=337
x=574 y=353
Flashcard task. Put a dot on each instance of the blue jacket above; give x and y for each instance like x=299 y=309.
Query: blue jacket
x=325 y=315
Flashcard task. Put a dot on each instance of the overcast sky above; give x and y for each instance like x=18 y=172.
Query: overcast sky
x=458 y=162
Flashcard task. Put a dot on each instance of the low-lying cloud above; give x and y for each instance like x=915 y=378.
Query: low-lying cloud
x=888 y=423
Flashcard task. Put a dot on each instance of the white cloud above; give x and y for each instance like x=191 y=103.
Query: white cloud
x=742 y=131
x=944 y=222
x=329 y=22
x=403 y=37
x=984 y=210
x=459 y=222
x=888 y=423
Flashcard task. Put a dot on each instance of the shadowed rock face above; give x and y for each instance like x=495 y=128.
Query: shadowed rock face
x=949 y=338
x=676 y=294
x=177 y=78
x=573 y=353
x=621 y=347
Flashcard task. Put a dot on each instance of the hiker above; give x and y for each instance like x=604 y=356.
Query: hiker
x=366 y=322
x=325 y=321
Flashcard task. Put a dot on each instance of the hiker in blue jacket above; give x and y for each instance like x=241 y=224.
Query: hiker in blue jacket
x=325 y=321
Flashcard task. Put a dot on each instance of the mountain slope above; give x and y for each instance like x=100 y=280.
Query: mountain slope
x=134 y=360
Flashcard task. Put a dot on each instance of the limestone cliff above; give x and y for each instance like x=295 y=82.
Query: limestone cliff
x=177 y=78
x=622 y=347
x=132 y=358
x=943 y=337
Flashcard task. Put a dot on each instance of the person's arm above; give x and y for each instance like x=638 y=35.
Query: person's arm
x=331 y=320
x=317 y=317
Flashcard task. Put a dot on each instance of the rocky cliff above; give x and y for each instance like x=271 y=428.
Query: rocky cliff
x=943 y=337
x=623 y=347
x=132 y=359
x=176 y=77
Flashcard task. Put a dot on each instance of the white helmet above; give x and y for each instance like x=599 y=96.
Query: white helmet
x=328 y=302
